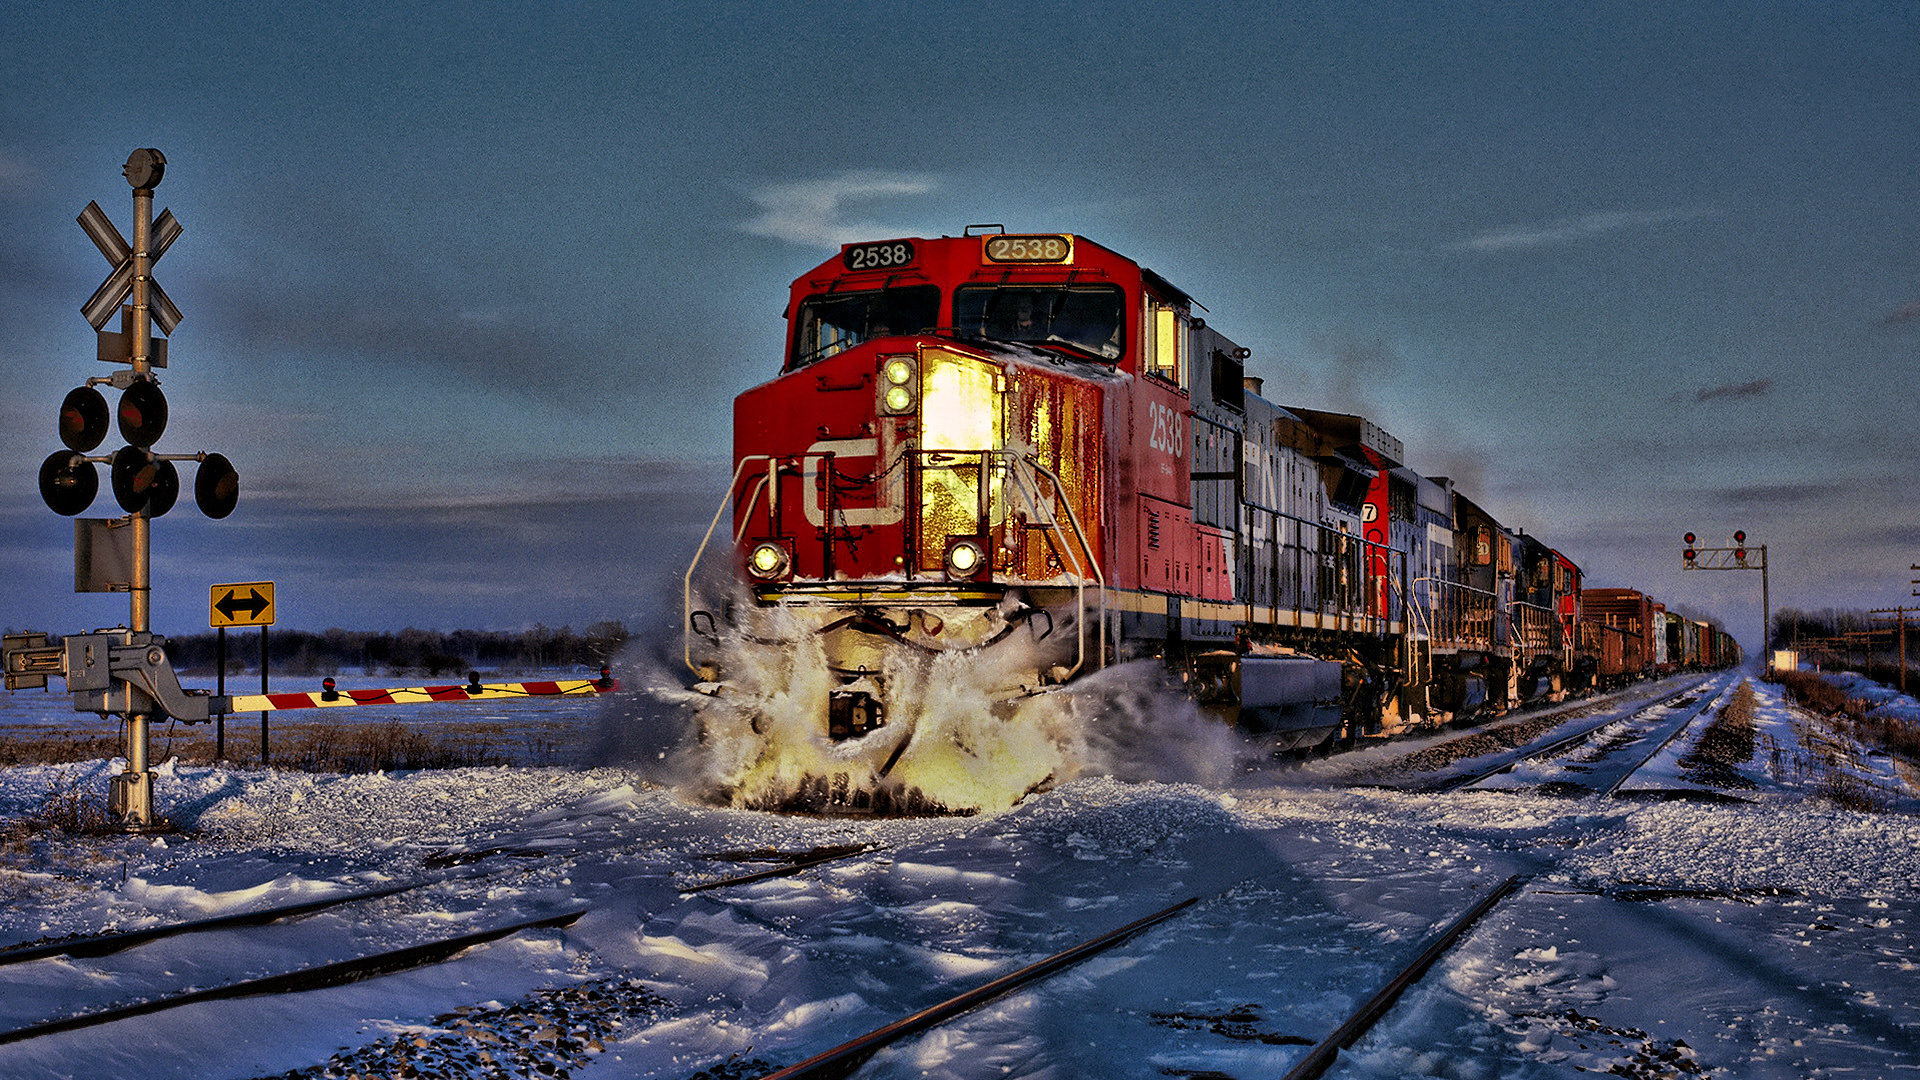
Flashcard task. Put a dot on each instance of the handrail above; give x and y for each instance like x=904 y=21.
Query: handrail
x=1470 y=592
x=1100 y=576
x=686 y=582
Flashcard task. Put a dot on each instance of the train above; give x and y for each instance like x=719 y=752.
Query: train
x=1015 y=462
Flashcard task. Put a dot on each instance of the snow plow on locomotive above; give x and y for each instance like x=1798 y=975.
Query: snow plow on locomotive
x=994 y=466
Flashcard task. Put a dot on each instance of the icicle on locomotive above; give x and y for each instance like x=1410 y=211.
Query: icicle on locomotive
x=1020 y=459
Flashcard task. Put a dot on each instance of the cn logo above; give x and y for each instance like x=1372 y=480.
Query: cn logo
x=857 y=457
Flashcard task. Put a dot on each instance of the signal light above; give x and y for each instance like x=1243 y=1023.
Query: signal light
x=68 y=482
x=166 y=488
x=1739 y=536
x=1690 y=554
x=216 y=487
x=143 y=413
x=1689 y=539
x=135 y=474
x=83 y=419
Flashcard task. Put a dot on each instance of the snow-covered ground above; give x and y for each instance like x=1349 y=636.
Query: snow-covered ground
x=1771 y=937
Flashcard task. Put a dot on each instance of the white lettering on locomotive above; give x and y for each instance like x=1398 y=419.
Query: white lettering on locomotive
x=1166 y=435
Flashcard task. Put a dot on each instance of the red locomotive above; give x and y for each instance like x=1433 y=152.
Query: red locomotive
x=1006 y=462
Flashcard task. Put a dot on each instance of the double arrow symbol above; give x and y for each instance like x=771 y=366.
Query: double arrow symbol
x=114 y=291
x=231 y=604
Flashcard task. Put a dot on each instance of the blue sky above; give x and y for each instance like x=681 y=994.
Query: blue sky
x=469 y=287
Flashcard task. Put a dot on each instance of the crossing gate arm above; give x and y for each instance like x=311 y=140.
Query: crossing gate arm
x=473 y=690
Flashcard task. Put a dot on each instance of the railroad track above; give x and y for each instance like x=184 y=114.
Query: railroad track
x=318 y=977
x=354 y=969
x=841 y=1060
x=1646 y=728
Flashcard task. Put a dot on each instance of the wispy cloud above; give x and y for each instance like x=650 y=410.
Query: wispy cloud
x=1566 y=230
x=810 y=212
x=14 y=175
x=1908 y=312
x=1735 y=390
x=1774 y=494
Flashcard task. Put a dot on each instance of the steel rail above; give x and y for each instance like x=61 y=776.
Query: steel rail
x=321 y=977
x=107 y=944
x=1324 y=1052
x=1706 y=702
x=1461 y=780
x=850 y=1055
x=793 y=867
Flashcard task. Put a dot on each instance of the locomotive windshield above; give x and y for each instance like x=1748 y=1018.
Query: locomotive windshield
x=832 y=322
x=1085 y=318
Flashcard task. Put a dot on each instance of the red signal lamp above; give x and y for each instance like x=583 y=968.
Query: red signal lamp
x=166 y=488
x=143 y=413
x=136 y=473
x=1690 y=554
x=1739 y=536
x=216 y=486
x=1689 y=539
x=83 y=419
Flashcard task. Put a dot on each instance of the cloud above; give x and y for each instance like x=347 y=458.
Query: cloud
x=1735 y=390
x=1523 y=237
x=809 y=212
x=1907 y=312
x=1774 y=494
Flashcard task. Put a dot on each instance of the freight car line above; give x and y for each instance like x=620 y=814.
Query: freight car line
x=849 y=1055
x=314 y=978
x=1324 y=1053
x=1507 y=762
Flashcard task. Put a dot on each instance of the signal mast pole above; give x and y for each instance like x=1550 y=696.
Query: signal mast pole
x=1738 y=557
x=131 y=793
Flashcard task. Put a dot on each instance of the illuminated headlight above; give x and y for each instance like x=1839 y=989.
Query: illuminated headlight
x=964 y=558
x=767 y=560
x=897 y=390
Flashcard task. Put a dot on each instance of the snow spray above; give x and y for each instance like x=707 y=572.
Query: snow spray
x=961 y=733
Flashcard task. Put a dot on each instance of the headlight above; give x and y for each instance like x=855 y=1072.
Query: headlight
x=898 y=390
x=767 y=560
x=965 y=558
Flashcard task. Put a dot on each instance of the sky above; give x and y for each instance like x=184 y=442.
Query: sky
x=468 y=288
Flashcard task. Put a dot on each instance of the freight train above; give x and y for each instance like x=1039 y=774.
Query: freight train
x=1027 y=459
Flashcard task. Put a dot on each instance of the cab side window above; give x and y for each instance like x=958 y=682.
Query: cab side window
x=1168 y=340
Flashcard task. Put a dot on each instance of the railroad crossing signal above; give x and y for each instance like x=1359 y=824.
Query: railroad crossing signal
x=248 y=603
x=143 y=170
x=125 y=672
x=145 y=483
